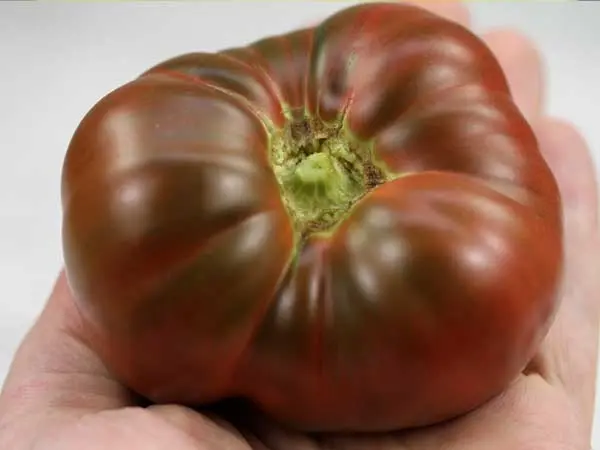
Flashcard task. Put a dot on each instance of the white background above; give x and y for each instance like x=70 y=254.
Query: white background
x=57 y=60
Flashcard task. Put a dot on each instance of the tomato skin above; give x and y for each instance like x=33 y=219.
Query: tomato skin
x=427 y=300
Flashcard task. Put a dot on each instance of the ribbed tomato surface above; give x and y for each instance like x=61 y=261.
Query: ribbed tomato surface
x=403 y=275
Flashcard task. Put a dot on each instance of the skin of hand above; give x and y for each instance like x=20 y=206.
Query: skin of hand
x=58 y=394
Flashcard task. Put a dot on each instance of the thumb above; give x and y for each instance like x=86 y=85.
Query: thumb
x=54 y=371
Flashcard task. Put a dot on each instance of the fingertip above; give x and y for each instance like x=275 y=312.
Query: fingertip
x=570 y=159
x=455 y=11
x=523 y=66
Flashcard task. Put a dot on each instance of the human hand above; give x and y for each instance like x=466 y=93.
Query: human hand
x=59 y=395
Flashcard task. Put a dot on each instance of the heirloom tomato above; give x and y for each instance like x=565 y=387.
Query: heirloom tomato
x=350 y=226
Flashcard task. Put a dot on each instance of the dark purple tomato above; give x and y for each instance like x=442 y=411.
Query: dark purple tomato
x=350 y=225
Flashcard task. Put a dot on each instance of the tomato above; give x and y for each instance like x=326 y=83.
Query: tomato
x=351 y=225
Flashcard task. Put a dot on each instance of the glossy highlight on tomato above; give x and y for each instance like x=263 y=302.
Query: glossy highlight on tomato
x=349 y=225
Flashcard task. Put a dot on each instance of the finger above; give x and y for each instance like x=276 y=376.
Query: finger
x=451 y=10
x=570 y=349
x=275 y=436
x=54 y=370
x=455 y=11
x=522 y=65
x=571 y=161
x=206 y=432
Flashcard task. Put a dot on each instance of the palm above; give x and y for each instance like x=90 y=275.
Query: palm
x=530 y=415
x=60 y=396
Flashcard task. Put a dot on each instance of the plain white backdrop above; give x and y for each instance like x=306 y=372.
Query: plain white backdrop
x=57 y=60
